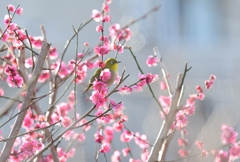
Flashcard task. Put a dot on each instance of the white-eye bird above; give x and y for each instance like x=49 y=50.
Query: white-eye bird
x=112 y=65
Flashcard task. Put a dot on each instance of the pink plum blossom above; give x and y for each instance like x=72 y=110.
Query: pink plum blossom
x=36 y=41
x=63 y=70
x=106 y=41
x=125 y=90
x=11 y=8
x=99 y=28
x=5 y=37
x=29 y=62
x=17 y=44
x=98 y=113
x=118 y=126
x=133 y=160
x=221 y=157
x=115 y=31
x=126 y=136
x=182 y=142
x=141 y=141
x=116 y=156
x=41 y=118
x=98 y=137
x=144 y=155
x=165 y=101
x=19 y=11
x=17 y=142
x=209 y=83
x=204 y=153
x=53 y=53
x=106 y=8
x=99 y=86
x=99 y=63
x=13 y=27
x=181 y=120
x=105 y=147
x=200 y=144
x=105 y=75
x=228 y=134
x=107 y=18
x=119 y=107
x=86 y=44
x=85 y=127
x=44 y=76
x=152 y=61
x=81 y=137
x=163 y=85
x=98 y=99
x=199 y=89
x=7 y=19
x=62 y=109
x=234 y=151
x=149 y=77
x=66 y=121
x=108 y=133
x=71 y=153
x=183 y=153
x=118 y=48
x=126 y=151
x=16 y=79
x=103 y=50
x=68 y=135
x=1 y=92
x=27 y=122
x=96 y=15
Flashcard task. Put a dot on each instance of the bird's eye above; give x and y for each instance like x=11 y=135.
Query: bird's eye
x=112 y=62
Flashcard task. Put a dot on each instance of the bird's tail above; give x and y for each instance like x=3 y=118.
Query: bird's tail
x=87 y=88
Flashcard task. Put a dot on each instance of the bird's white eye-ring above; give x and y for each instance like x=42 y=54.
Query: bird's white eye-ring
x=112 y=62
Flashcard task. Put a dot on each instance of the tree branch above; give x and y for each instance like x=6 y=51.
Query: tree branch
x=164 y=71
x=30 y=91
x=167 y=123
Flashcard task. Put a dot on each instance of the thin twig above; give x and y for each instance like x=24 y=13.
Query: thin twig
x=67 y=44
x=11 y=99
x=10 y=21
x=164 y=71
x=153 y=95
x=8 y=62
x=75 y=76
x=30 y=131
x=31 y=50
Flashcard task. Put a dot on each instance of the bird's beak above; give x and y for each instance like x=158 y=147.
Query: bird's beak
x=118 y=62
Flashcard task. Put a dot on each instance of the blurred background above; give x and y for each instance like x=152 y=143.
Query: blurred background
x=204 y=33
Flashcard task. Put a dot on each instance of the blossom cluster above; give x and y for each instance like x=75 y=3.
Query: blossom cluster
x=109 y=115
x=28 y=145
x=143 y=79
x=188 y=109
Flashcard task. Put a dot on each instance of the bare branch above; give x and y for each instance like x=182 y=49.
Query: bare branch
x=166 y=126
x=8 y=62
x=164 y=71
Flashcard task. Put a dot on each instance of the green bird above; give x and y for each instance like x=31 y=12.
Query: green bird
x=112 y=65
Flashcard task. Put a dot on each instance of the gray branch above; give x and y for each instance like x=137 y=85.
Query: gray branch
x=27 y=100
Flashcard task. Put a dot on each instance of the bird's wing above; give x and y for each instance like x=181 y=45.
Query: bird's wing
x=95 y=75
